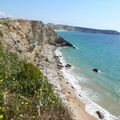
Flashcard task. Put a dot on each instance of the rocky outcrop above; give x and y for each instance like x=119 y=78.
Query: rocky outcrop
x=67 y=66
x=100 y=115
x=27 y=38
x=96 y=70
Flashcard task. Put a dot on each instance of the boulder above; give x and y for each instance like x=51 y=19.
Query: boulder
x=95 y=70
x=68 y=66
x=100 y=115
x=60 y=66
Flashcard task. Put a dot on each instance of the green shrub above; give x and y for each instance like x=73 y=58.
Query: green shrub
x=25 y=93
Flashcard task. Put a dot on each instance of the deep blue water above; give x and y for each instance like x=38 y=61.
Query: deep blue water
x=96 y=51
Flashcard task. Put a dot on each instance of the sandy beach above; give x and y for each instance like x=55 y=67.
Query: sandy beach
x=52 y=68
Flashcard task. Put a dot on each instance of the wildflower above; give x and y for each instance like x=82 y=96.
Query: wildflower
x=3 y=109
x=1 y=81
x=26 y=103
x=0 y=108
x=11 y=119
x=21 y=115
x=33 y=116
x=1 y=116
x=17 y=109
x=6 y=77
x=22 y=103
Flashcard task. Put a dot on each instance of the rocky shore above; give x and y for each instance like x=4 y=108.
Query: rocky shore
x=52 y=68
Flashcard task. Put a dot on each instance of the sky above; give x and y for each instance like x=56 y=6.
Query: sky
x=101 y=14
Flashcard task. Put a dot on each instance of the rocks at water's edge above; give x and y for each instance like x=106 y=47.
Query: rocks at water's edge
x=60 y=66
x=95 y=70
x=62 y=42
x=67 y=66
x=100 y=115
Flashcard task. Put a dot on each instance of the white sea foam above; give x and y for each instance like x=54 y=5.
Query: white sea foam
x=91 y=107
x=76 y=47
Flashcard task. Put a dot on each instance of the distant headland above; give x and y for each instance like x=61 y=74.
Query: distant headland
x=60 y=27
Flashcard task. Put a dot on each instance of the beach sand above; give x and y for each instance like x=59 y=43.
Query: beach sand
x=50 y=66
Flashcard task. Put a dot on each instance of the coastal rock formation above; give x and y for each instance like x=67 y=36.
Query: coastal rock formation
x=96 y=70
x=27 y=38
x=68 y=66
x=100 y=115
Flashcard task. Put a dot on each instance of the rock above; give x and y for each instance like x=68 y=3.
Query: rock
x=80 y=95
x=61 y=42
x=28 y=37
x=60 y=66
x=67 y=82
x=100 y=115
x=68 y=66
x=72 y=87
x=95 y=70
x=46 y=60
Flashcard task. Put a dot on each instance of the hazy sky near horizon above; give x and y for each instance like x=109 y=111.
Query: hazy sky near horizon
x=102 y=14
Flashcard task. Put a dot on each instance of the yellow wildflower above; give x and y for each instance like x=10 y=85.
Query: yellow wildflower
x=2 y=108
x=21 y=115
x=17 y=109
x=26 y=103
x=11 y=119
x=1 y=81
x=33 y=116
x=22 y=103
x=1 y=116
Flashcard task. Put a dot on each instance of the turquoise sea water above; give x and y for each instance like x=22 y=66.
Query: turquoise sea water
x=96 y=51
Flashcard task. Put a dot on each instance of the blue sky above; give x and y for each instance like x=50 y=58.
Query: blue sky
x=102 y=14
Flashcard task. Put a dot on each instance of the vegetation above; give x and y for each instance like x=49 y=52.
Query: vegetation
x=25 y=93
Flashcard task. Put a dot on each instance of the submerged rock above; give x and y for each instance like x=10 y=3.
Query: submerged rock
x=100 y=115
x=96 y=70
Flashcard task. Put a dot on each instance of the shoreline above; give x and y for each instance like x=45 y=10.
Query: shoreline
x=52 y=66
x=89 y=104
x=62 y=86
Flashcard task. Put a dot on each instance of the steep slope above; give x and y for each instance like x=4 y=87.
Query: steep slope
x=25 y=92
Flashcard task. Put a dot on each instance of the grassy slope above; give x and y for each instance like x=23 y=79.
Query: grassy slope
x=25 y=93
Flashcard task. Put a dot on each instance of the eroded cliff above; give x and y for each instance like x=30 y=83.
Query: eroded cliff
x=27 y=38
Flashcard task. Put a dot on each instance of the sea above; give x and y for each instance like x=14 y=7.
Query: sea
x=99 y=51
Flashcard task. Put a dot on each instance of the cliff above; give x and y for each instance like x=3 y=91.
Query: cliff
x=27 y=38
x=25 y=91
x=82 y=29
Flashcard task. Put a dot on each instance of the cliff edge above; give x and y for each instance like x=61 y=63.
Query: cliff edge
x=27 y=38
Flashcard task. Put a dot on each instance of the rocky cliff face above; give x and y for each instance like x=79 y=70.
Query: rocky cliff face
x=27 y=38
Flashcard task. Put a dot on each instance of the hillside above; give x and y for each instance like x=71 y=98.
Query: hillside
x=25 y=93
x=82 y=29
